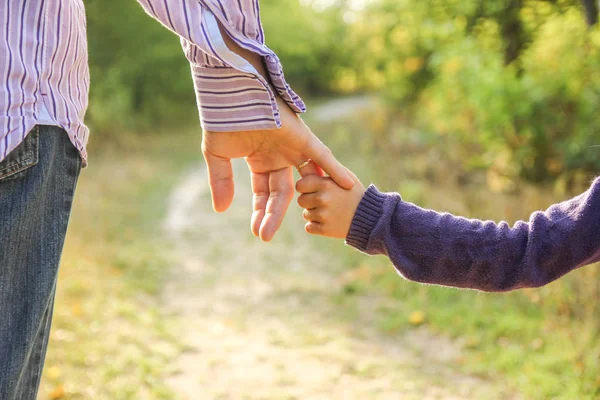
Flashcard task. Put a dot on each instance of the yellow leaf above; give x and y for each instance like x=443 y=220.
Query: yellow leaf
x=416 y=318
x=497 y=182
x=413 y=64
x=362 y=273
x=452 y=66
x=554 y=165
x=400 y=36
x=57 y=393
x=76 y=309
x=54 y=372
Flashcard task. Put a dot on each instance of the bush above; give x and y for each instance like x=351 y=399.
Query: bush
x=520 y=88
x=514 y=83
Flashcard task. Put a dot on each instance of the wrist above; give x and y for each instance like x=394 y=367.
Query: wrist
x=366 y=217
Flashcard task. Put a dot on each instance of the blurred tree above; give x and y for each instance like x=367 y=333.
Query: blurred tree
x=517 y=79
x=140 y=76
x=591 y=11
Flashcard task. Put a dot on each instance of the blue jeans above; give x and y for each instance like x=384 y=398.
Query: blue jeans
x=37 y=183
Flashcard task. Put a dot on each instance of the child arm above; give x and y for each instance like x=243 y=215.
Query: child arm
x=439 y=248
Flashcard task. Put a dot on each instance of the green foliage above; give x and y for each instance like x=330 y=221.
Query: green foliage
x=307 y=42
x=139 y=74
x=514 y=81
x=532 y=119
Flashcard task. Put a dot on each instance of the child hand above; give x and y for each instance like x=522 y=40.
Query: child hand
x=329 y=209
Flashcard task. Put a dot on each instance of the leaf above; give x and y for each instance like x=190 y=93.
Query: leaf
x=416 y=318
x=57 y=393
x=54 y=372
x=77 y=309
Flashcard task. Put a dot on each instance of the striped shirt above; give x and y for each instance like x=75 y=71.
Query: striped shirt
x=44 y=66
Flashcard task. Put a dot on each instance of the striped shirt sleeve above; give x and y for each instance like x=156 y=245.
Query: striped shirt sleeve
x=231 y=94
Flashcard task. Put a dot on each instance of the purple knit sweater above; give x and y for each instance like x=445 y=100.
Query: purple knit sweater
x=439 y=248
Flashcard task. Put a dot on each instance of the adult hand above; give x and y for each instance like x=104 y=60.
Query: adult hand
x=270 y=155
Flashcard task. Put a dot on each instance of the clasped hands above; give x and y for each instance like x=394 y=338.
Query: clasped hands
x=329 y=201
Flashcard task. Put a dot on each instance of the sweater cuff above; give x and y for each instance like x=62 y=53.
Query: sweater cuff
x=365 y=219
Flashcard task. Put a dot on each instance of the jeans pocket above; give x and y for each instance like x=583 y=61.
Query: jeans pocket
x=26 y=155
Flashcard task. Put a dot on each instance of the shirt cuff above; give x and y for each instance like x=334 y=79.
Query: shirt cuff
x=365 y=219
x=232 y=100
x=236 y=97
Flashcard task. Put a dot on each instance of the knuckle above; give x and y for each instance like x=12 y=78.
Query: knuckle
x=323 y=217
x=320 y=199
x=302 y=202
x=309 y=183
x=304 y=142
x=204 y=149
x=326 y=152
x=316 y=228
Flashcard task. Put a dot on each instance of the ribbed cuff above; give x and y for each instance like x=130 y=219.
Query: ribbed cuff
x=366 y=217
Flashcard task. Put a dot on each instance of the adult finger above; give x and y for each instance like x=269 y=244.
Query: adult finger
x=281 y=192
x=311 y=169
x=353 y=176
x=220 y=177
x=309 y=200
x=260 y=196
x=325 y=159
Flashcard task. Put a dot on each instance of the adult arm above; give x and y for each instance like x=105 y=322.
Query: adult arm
x=246 y=107
x=232 y=94
x=439 y=248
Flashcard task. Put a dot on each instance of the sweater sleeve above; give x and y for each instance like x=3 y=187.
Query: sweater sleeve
x=439 y=248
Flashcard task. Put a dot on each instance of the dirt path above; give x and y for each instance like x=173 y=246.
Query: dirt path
x=261 y=321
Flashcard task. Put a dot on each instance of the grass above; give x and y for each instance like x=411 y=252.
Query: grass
x=545 y=343
x=109 y=339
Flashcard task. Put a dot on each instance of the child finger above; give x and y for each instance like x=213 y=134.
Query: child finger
x=312 y=215
x=314 y=228
x=309 y=184
x=308 y=200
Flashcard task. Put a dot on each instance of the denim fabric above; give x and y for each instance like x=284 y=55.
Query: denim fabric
x=37 y=183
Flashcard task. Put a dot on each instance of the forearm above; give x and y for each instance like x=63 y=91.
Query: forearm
x=431 y=247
